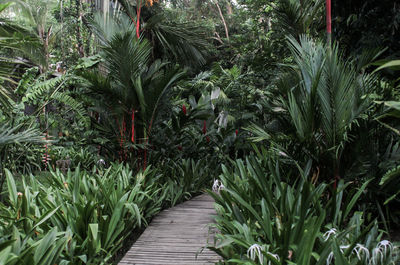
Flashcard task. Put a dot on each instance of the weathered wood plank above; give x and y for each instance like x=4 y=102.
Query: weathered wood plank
x=177 y=235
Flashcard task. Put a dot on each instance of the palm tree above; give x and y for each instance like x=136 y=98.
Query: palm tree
x=185 y=42
x=32 y=40
x=322 y=96
x=135 y=88
x=300 y=17
x=14 y=40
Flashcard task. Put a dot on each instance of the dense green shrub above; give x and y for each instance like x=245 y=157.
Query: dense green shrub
x=79 y=218
x=268 y=218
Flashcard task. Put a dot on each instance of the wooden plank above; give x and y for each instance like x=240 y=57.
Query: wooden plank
x=177 y=235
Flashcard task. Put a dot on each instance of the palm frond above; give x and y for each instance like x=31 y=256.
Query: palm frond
x=106 y=26
x=186 y=42
x=23 y=40
x=323 y=93
x=14 y=135
x=302 y=98
x=125 y=58
x=160 y=79
x=299 y=17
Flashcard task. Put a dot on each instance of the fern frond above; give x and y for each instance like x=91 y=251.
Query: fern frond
x=75 y=105
x=41 y=87
x=390 y=174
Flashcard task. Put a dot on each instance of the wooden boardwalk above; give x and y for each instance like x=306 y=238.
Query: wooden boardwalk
x=177 y=236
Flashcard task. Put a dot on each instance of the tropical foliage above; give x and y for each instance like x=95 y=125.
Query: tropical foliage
x=113 y=110
x=264 y=219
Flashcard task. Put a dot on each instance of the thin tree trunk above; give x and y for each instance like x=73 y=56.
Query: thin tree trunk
x=229 y=7
x=222 y=19
x=62 y=29
x=78 y=28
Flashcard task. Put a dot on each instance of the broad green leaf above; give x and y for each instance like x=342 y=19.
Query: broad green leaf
x=12 y=188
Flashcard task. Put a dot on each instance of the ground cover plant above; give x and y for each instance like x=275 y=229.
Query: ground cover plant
x=267 y=218
x=113 y=110
x=78 y=218
x=82 y=217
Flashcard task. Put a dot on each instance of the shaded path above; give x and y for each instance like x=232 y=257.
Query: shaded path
x=176 y=236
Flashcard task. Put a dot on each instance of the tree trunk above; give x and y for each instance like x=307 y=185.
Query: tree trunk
x=62 y=29
x=222 y=19
x=229 y=7
x=78 y=28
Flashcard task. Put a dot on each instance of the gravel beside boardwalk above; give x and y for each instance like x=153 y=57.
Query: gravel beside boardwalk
x=176 y=236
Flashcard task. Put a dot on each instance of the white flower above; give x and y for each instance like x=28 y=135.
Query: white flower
x=385 y=245
x=329 y=259
x=359 y=250
x=254 y=251
x=328 y=233
x=217 y=186
x=331 y=255
x=376 y=256
x=344 y=247
x=101 y=162
x=283 y=154
x=273 y=255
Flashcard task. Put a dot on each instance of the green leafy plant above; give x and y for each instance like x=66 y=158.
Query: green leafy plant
x=265 y=217
x=80 y=218
x=318 y=101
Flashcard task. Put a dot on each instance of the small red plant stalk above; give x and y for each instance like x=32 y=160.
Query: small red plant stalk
x=328 y=17
x=204 y=127
x=138 y=10
x=208 y=139
x=237 y=132
x=184 y=109
x=180 y=148
x=329 y=21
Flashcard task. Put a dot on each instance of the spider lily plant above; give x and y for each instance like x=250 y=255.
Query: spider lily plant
x=265 y=217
